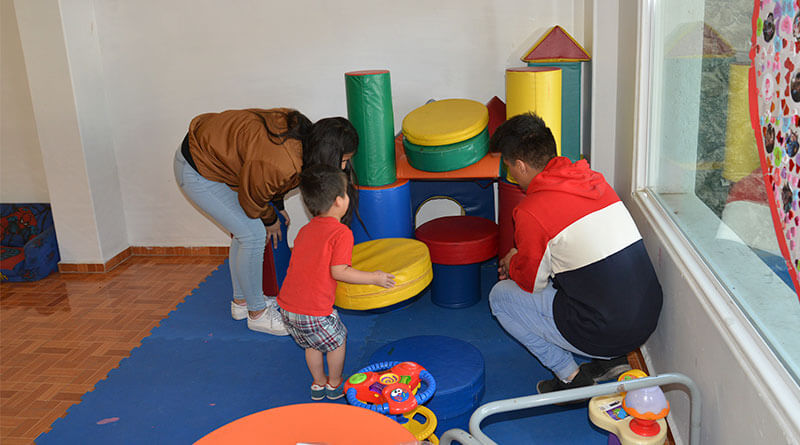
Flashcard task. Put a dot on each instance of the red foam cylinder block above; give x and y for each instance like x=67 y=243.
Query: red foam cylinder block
x=509 y=195
x=457 y=240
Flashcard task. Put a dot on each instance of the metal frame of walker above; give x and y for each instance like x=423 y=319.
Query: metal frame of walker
x=477 y=437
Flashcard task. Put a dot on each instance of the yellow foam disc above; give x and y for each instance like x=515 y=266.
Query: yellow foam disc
x=407 y=259
x=445 y=122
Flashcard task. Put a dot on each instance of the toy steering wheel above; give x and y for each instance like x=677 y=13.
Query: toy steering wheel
x=393 y=390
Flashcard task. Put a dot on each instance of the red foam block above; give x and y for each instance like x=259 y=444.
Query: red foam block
x=456 y=240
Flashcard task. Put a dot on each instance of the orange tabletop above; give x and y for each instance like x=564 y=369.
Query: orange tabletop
x=487 y=167
x=312 y=423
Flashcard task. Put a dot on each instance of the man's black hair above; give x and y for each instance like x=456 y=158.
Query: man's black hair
x=320 y=184
x=524 y=137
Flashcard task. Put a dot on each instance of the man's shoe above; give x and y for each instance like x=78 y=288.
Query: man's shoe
x=600 y=370
x=580 y=380
x=269 y=322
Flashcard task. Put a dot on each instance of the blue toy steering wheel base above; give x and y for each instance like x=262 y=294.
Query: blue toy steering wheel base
x=421 y=396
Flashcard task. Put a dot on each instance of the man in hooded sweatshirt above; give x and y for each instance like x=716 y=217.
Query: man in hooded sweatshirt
x=578 y=280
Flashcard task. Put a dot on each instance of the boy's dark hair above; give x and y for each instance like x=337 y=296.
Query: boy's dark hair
x=524 y=137
x=329 y=140
x=320 y=184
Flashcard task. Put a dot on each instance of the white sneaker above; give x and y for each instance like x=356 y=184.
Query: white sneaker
x=269 y=322
x=239 y=311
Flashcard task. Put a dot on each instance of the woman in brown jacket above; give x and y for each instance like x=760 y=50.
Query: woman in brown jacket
x=236 y=166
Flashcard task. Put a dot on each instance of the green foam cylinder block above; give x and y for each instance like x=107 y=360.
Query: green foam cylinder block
x=444 y=158
x=369 y=108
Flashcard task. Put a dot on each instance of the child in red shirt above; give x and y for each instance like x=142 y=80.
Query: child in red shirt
x=321 y=255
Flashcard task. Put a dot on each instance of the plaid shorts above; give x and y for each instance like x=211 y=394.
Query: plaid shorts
x=321 y=333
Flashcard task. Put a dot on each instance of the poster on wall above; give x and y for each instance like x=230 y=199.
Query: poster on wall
x=775 y=116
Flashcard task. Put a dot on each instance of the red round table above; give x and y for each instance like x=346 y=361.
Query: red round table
x=328 y=423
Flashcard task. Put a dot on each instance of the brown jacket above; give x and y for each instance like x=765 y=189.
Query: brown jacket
x=234 y=147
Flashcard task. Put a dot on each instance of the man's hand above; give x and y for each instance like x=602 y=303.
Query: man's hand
x=274 y=233
x=505 y=262
x=383 y=279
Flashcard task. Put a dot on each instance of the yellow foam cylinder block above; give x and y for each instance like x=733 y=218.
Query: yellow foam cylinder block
x=741 y=152
x=407 y=259
x=444 y=122
x=536 y=89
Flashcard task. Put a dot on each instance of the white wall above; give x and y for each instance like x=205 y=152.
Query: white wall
x=135 y=73
x=22 y=177
x=62 y=59
x=166 y=62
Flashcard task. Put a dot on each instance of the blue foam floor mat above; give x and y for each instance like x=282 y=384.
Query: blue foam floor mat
x=199 y=370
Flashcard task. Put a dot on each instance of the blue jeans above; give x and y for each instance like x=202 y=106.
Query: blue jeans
x=218 y=201
x=528 y=317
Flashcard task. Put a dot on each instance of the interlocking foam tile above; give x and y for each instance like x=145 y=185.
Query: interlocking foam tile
x=205 y=314
x=176 y=391
x=200 y=370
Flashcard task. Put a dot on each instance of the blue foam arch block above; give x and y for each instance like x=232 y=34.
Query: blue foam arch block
x=456 y=365
x=385 y=212
x=475 y=196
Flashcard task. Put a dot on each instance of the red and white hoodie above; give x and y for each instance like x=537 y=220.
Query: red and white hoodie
x=572 y=228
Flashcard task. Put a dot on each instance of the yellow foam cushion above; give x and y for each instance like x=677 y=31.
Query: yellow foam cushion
x=407 y=259
x=445 y=122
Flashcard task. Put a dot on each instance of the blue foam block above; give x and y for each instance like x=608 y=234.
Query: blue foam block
x=385 y=213
x=476 y=197
x=457 y=366
x=456 y=286
x=282 y=254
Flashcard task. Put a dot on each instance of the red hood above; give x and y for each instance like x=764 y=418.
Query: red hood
x=562 y=175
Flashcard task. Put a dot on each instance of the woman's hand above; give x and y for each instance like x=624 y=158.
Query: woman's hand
x=274 y=233
x=286 y=217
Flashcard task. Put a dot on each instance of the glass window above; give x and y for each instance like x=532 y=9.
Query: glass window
x=703 y=163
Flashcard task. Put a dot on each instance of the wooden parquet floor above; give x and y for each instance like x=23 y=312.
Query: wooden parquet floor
x=61 y=335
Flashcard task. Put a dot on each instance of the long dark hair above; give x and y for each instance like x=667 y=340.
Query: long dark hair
x=298 y=126
x=328 y=142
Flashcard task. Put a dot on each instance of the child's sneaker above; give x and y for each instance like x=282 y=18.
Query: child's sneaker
x=334 y=393
x=269 y=322
x=600 y=370
x=317 y=392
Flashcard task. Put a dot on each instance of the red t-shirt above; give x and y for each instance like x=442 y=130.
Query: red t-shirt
x=309 y=288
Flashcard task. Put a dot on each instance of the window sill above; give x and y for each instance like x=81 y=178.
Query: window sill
x=768 y=374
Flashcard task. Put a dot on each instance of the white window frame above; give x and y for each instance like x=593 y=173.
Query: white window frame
x=767 y=373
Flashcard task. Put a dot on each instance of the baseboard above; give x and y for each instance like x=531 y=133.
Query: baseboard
x=141 y=251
